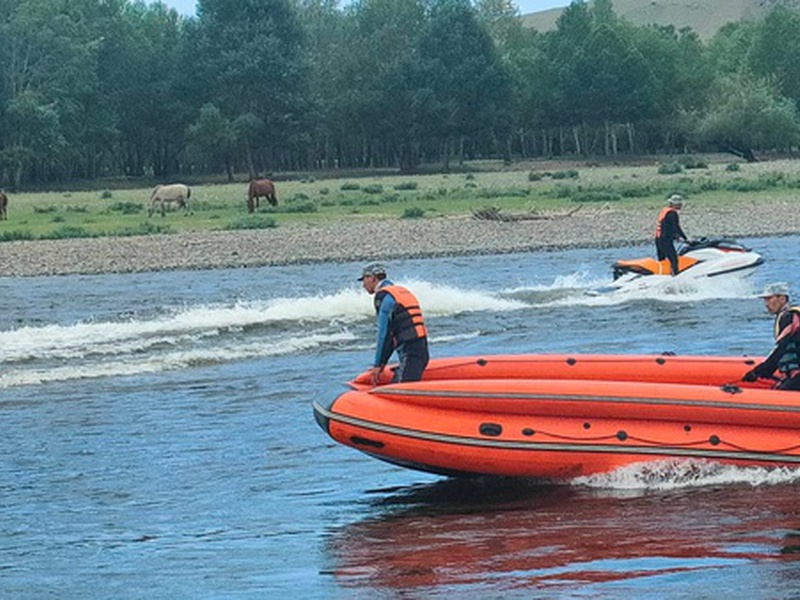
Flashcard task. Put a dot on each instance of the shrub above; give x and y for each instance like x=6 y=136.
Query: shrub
x=15 y=235
x=670 y=168
x=350 y=187
x=105 y=194
x=390 y=198
x=408 y=185
x=144 y=228
x=68 y=232
x=373 y=188
x=125 y=208
x=692 y=162
x=534 y=176
x=414 y=212
x=44 y=210
x=570 y=174
x=732 y=167
x=252 y=222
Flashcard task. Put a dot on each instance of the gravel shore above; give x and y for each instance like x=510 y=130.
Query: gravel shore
x=363 y=239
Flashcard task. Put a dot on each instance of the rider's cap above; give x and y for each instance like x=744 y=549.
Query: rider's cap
x=675 y=200
x=373 y=269
x=775 y=289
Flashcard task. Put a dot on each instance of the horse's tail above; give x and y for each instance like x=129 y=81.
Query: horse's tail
x=188 y=192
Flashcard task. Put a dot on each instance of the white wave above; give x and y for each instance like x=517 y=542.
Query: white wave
x=579 y=280
x=169 y=361
x=667 y=290
x=444 y=300
x=664 y=475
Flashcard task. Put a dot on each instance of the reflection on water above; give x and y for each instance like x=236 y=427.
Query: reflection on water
x=459 y=535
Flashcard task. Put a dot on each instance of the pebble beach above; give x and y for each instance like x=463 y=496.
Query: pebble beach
x=364 y=239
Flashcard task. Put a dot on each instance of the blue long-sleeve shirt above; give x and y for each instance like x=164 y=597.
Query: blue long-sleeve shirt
x=384 y=343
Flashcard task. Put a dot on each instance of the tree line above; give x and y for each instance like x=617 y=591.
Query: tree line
x=109 y=88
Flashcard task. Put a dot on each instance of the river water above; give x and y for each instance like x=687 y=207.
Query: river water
x=158 y=441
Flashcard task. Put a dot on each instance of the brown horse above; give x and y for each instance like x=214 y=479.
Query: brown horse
x=3 y=206
x=257 y=188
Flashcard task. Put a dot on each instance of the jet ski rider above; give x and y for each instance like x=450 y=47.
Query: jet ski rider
x=401 y=326
x=785 y=356
x=669 y=229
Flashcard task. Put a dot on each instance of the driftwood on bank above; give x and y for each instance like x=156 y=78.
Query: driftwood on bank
x=492 y=213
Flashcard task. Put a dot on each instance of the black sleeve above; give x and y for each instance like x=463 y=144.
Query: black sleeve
x=767 y=368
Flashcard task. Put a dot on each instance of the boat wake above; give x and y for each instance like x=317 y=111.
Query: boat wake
x=675 y=474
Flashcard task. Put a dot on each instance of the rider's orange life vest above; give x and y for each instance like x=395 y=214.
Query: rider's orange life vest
x=662 y=215
x=408 y=322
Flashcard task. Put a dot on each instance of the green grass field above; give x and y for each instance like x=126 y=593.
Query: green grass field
x=121 y=212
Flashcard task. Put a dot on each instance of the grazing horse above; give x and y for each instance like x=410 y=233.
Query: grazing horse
x=177 y=192
x=257 y=188
x=3 y=206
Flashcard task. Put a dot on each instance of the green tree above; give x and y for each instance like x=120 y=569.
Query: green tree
x=250 y=54
x=212 y=139
x=749 y=115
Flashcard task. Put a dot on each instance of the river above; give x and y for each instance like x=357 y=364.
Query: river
x=158 y=441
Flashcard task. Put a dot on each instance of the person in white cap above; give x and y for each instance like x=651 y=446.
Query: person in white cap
x=401 y=327
x=668 y=230
x=785 y=356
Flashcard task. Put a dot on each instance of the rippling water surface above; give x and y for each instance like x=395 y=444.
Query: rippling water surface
x=158 y=441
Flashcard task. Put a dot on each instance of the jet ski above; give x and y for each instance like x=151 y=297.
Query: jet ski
x=700 y=258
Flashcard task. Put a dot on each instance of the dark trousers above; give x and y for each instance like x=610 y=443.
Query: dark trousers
x=414 y=358
x=790 y=383
x=666 y=249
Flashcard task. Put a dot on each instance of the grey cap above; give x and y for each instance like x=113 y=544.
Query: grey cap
x=675 y=200
x=373 y=269
x=779 y=288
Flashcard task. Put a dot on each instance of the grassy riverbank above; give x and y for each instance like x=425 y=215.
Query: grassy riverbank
x=525 y=189
x=548 y=206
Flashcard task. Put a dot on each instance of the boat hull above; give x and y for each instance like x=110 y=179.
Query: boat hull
x=556 y=429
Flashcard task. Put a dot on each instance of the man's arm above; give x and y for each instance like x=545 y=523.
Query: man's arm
x=384 y=346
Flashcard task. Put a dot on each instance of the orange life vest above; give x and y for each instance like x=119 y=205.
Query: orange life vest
x=664 y=212
x=407 y=323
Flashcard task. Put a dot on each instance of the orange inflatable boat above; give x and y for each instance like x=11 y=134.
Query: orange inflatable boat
x=557 y=417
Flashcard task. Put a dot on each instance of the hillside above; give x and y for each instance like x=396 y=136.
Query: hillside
x=705 y=17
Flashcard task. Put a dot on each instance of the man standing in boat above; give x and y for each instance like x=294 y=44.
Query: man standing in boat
x=785 y=356
x=401 y=326
x=669 y=229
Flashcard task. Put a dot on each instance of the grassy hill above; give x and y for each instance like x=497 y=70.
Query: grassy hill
x=705 y=17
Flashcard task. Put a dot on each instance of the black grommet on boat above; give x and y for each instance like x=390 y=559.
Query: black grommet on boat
x=622 y=436
x=528 y=431
x=660 y=361
x=749 y=361
x=482 y=362
x=714 y=440
x=571 y=361
x=491 y=429
x=587 y=425
x=687 y=428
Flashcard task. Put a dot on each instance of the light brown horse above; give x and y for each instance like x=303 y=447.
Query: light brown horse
x=177 y=192
x=258 y=188
x=3 y=206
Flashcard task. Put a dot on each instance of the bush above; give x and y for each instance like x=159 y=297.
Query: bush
x=732 y=167
x=252 y=222
x=390 y=198
x=105 y=194
x=125 y=208
x=15 y=235
x=534 y=176
x=68 y=232
x=406 y=185
x=373 y=188
x=570 y=174
x=670 y=168
x=350 y=187
x=415 y=212
x=692 y=162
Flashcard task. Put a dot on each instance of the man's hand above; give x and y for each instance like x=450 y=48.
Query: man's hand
x=375 y=375
x=750 y=376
